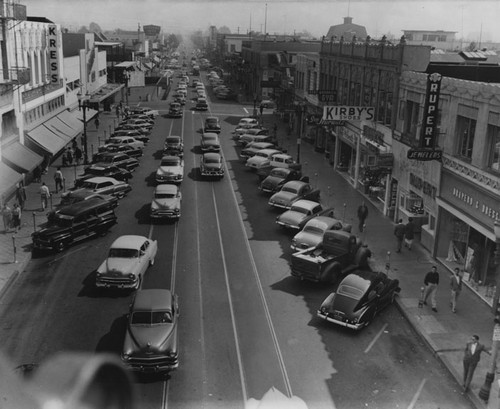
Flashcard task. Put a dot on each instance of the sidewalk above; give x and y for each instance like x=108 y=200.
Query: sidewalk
x=444 y=332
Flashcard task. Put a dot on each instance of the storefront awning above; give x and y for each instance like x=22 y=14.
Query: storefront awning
x=89 y=114
x=72 y=121
x=47 y=139
x=8 y=180
x=20 y=158
x=105 y=92
x=61 y=129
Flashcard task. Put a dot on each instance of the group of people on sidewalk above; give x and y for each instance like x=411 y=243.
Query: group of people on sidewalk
x=404 y=232
x=431 y=283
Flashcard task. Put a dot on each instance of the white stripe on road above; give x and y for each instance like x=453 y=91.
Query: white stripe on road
x=417 y=394
x=375 y=339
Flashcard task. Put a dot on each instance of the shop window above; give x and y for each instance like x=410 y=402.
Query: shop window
x=411 y=118
x=466 y=129
x=493 y=138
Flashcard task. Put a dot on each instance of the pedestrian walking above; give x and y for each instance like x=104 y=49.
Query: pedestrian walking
x=21 y=194
x=431 y=282
x=455 y=287
x=44 y=195
x=58 y=178
x=362 y=215
x=69 y=156
x=16 y=217
x=78 y=155
x=7 y=218
x=472 y=355
x=409 y=233
x=399 y=232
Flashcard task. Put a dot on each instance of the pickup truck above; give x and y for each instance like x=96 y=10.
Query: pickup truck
x=279 y=160
x=339 y=253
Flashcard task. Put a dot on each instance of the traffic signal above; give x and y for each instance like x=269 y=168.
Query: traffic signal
x=497 y=313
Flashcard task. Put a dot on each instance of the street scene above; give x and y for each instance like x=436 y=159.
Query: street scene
x=222 y=218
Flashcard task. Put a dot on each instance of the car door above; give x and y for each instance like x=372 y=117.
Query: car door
x=106 y=188
x=144 y=257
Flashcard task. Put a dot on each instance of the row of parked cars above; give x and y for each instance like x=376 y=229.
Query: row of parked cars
x=324 y=248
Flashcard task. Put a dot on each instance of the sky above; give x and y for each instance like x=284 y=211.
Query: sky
x=475 y=20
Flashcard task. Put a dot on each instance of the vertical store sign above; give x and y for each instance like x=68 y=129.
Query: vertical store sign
x=428 y=136
x=53 y=54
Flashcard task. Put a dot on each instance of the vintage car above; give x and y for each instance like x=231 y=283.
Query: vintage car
x=247 y=123
x=209 y=142
x=111 y=171
x=152 y=113
x=293 y=191
x=128 y=259
x=277 y=178
x=212 y=124
x=173 y=146
x=171 y=170
x=126 y=140
x=311 y=234
x=252 y=148
x=74 y=223
x=175 y=110
x=129 y=132
x=126 y=149
x=301 y=211
x=82 y=195
x=143 y=123
x=359 y=297
x=103 y=185
x=144 y=131
x=166 y=203
x=212 y=165
x=121 y=160
x=146 y=118
x=261 y=159
x=151 y=341
x=201 y=105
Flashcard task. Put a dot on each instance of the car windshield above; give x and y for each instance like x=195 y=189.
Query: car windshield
x=107 y=159
x=279 y=173
x=262 y=154
x=313 y=230
x=207 y=138
x=90 y=185
x=289 y=189
x=151 y=317
x=173 y=140
x=123 y=253
x=164 y=195
x=212 y=160
x=212 y=121
x=170 y=162
x=299 y=209
x=350 y=291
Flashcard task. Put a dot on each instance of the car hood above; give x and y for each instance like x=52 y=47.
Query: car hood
x=291 y=217
x=117 y=265
x=272 y=181
x=149 y=339
x=168 y=170
x=306 y=239
x=166 y=203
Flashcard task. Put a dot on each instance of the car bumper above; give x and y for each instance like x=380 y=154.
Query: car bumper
x=279 y=205
x=287 y=225
x=330 y=318
x=121 y=284
x=168 y=180
x=165 y=215
x=151 y=364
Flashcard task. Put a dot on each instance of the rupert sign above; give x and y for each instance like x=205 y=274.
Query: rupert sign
x=428 y=136
x=53 y=54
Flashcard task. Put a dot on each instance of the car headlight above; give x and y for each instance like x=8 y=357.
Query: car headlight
x=131 y=276
x=125 y=357
x=177 y=210
x=98 y=274
x=172 y=354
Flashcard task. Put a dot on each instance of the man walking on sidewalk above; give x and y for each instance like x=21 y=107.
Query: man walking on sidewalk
x=455 y=287
x=58 y=178
x=431 y=282
x=362 y=215
x=44 y=195
x=472 y=355
x=399 y=232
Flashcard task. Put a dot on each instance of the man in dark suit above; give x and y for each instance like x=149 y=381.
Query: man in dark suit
x=472 y=355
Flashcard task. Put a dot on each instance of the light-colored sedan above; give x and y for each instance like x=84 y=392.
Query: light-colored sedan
x=312 y=233
x=128 y=259
x=171 y=170
x=298 y=213
x=166 y=202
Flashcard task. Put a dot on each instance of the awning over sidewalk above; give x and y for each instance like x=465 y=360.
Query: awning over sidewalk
x=105 y=91
x=60 y=129
x=89 y=114
x=20 y=158
x=70 y=119
x=8 y=180
x=47 y=139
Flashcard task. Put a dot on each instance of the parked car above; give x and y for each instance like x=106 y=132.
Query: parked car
x=212 y=124
x=106 y=186
x=293 y=191
x=247 y=123
x=125 y=140
x=132 y=133
x=126 y=149
x=298 y=214
x=175 y=110
x=80 y=196
x=74 y=223
x=146 y=118
x=111 y=171
x=144 y=111
x=311 y=234
x=173 y=146
x=277 y=178
x=166 y=203
x=151 y=341
x=139 y=122
x=144 y=131
x=128 y=259
x=117 y=159
x=267 y=103
x=246 y=139
x=253 y=147
x=243 y=130
x=212 y=165
x=171 y=170
x=360 y=296
x=261 y=158
x=210 y=142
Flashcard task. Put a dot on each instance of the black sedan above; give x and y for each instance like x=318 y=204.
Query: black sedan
x=126 y=149
x=359 y=297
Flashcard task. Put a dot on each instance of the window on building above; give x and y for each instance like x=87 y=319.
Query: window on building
x=411 y=114
x=466 y=129
x=493 y=139
x=381 y=107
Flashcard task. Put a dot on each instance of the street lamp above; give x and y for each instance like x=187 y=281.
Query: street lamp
x=484 y=393
x=302 y=110
x=83 y=104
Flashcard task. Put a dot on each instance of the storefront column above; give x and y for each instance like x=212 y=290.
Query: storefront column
x=358 y=160
x=387 y=196
x=337 y=152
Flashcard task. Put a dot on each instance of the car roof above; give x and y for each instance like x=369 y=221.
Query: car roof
x=323 y=222
x=129 y=241
x=152 y=299
x=269 y=151
x=305 y=204
x=361 y=279
x=211 y=118
x=295 y=183
x=166 y=188
x=282 y=155
x=76 y=208
x=212 y=155
x=100 y=179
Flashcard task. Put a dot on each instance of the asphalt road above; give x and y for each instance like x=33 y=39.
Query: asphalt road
x=245 y=325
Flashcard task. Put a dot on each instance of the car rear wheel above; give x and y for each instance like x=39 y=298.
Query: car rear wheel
x=60 y=246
